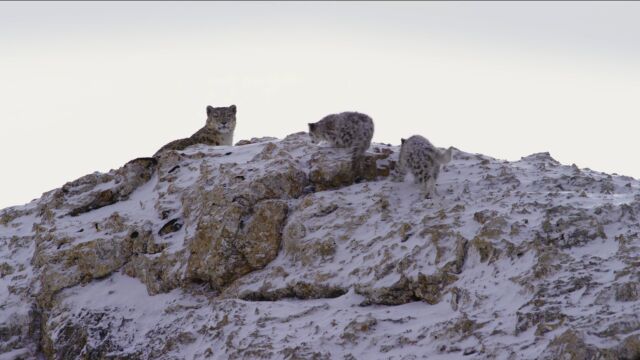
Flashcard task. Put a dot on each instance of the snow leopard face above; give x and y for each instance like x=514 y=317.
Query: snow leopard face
x=314 y=133
x=221 y=119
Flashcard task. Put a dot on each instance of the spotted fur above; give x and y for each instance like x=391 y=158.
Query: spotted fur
x=218 y=130
x=351 y=130
x=423 y=159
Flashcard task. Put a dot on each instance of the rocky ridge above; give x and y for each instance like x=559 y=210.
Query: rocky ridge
x=276 y=249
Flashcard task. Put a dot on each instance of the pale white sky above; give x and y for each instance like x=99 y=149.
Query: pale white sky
x=87 y=86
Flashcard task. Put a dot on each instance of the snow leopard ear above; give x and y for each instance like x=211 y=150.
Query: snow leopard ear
x=233 y=108
x=402 y=141
x=209 y=110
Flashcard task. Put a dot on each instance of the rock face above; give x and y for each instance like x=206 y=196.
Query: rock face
x=277 y=249
x=235 y=241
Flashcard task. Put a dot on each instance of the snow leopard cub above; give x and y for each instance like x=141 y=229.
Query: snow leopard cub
x=351 y=130
x=423 y=159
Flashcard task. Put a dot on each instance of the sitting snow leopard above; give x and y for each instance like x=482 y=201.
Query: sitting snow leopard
x=218 y=130
x=423 y=159
x=351 y=130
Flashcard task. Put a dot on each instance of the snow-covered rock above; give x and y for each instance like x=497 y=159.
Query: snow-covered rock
x=276 y=249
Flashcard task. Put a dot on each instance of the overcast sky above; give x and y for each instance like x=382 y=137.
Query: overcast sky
x=87 y=86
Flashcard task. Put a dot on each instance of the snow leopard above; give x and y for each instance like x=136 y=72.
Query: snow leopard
x=351 y=130
x=218 y=130
x=419 y=156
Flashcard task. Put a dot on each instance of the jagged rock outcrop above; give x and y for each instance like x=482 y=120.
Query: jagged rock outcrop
x=277 y=249
x=235 y=241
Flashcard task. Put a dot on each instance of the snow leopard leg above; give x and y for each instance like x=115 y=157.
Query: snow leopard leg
x=358 y=164
x=430 y=187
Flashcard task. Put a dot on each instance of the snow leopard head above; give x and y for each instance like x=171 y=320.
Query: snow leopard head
x=221 y=119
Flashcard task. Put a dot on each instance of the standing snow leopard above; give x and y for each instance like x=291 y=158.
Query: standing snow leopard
x=423 y=159
x=218 y=130
x=351 y=130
